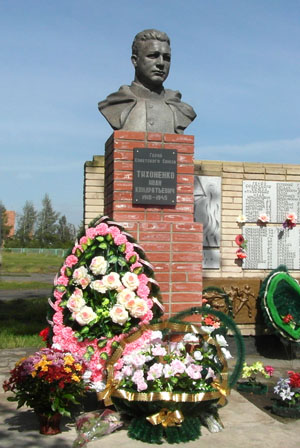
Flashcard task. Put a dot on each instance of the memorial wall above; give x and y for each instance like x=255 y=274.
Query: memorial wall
x=223 y=191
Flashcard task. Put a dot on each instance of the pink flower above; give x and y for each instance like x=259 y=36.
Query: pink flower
x=129 y=247
x=114 y=231
x=143 y=291
x=158 y=350
x=155 y=371
x=135 y=265
x=143 y=279
x=101 y=229
x=58 y=294
x=58 y=318
x=194 y=371
x=120 y=239
x=131 y=254
x=264 y=218
x=292 y=217
x=91 y=232
x=63 y=280
x=83 y=240
x=269 y=370
x=177 y=366
x=71 y=260
x=77 y=246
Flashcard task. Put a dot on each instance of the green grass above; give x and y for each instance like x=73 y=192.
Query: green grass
x=25 y=285
x=21 y=321
x=28 y=263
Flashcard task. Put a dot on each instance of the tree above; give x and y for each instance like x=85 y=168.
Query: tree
x=66 y=232
x=46 y=224
x=26 y=223
x=4 y=227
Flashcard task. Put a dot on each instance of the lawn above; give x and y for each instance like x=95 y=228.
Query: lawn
x=29 y=263
x=21 y=321
x=24 y=285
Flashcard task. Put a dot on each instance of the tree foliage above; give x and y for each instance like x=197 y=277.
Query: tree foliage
x=45 y=228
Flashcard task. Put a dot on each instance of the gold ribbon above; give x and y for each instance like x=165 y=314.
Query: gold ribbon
x=110 y=388
x=166 y=418
x=223 y=390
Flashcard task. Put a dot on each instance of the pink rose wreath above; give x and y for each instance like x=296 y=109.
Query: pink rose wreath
x=104 y=290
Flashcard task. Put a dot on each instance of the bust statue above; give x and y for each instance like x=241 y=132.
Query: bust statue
x=146 y=105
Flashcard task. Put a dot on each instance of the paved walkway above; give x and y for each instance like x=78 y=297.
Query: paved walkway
x=245 y=425
x=13 y=294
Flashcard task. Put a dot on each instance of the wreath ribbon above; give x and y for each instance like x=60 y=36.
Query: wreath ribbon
x=166 y=418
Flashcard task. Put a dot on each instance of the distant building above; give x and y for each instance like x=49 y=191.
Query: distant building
x=11 y=221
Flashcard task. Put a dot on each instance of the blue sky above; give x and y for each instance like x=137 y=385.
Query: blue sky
x=237 y=62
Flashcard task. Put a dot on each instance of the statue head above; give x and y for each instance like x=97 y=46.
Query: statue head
x=151 y=57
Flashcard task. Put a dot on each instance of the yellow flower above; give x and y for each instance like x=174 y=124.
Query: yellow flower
x=67 y=370
x=69 y=360
x=33 y=374
x=78 y=367
x=20 y=361
x=75 y=378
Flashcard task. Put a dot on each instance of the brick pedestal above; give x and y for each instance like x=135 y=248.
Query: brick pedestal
x=168 y=234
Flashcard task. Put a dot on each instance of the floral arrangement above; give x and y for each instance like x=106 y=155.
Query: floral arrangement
x=263 y=219
x=250 y=372
x=288 y=389
x=242 y=243
x=93 y=425
x=48 y=381
x=104 y=290
x=289 y=319
x=190 y=365
x=290 y=221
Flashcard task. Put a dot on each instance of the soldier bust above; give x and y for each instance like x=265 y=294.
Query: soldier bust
x=145 y=105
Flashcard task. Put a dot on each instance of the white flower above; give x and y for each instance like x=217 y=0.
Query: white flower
x=56 y=346
x=221 y=340
x=130 y=280
x=98 y=265
x=241 y=219
x=264 y=218
x=85 y=315
x=198 y=355
x=118 y=314
x=112 y=281
x=87 y=376
x=76 y=300
x=226 y=353
x=125 y=297
x=190 y=337
x=139 y=309
x=79 y=274
x=97 y=285
x=156 y=335
x=207 y=329
x=98 y=386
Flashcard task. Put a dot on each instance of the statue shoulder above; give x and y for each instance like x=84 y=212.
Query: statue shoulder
x=117 y=106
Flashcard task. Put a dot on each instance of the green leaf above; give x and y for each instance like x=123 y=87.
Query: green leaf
x=122 y=247
x=100 y=239
x=104 y=356
x=109 y=237
x=112 y=259
x=68 y=272
x=102 y=343
x=138 y=270
x=78 y=253
x=103 y=246
x=132 y=259
x=122 y=262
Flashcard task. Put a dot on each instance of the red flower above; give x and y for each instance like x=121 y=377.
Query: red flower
x=241 y=254
x=287 y=319
x=294 y=379
x=44 y=333
x=239 y=239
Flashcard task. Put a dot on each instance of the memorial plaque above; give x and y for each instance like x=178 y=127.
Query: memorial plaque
x=211 y=258
x=276 y=199
x=154 y=176
x=268 y=247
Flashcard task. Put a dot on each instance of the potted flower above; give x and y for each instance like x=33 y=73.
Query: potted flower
x=250 y=373
x=49 y=382
x=288 y=390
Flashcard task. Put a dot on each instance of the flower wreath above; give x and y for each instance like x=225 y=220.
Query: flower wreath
x=104 y=290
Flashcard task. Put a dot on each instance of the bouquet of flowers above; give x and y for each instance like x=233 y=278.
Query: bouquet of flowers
x=242 y=243
x=288 y=390
x=170 y=377
x=250 y=373
x=49 y=382
x=104 y=290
